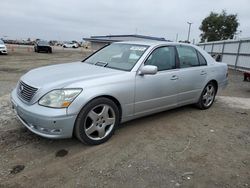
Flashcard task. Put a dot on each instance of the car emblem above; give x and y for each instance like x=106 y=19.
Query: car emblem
x=21 y=88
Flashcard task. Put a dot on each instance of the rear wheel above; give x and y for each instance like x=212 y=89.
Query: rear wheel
x=97 y=121
x=207 y=96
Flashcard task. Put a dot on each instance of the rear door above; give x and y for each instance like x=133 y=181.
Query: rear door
x=192 y=74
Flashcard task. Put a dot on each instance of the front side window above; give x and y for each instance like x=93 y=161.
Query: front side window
x=118 y=56
x=163 y=58
x=187 y=56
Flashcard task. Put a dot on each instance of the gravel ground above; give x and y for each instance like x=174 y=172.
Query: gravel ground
x=184 y=147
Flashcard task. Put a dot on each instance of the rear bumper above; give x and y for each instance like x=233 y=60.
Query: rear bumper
x=43 y=121
x=44 y=48
x=223 y=84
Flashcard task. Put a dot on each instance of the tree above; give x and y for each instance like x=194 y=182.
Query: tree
x=219 y=26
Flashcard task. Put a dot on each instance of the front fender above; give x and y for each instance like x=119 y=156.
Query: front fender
x=123 y=92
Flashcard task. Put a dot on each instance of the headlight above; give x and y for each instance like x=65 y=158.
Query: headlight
x=60 y=98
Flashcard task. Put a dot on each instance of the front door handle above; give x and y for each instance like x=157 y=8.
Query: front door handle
x=174 y=77
x=203 y=72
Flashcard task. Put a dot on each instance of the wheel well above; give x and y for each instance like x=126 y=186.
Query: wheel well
x=114 y=100
x=215 y=83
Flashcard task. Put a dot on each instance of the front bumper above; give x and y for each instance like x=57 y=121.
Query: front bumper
x=44 y=121
x=3 y=51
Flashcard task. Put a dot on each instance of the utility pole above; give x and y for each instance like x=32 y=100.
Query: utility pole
x=189 y=28
x=176 y=39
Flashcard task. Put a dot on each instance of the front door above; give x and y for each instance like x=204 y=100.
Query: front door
x=158 y=92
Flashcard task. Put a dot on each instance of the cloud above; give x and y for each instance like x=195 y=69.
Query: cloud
x=69 y=20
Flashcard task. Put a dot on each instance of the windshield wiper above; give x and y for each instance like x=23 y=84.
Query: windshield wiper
x=101 y=63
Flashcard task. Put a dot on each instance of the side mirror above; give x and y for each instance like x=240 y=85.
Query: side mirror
x=148 y=69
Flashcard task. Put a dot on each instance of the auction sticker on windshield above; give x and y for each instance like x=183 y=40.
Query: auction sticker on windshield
x=138 y=48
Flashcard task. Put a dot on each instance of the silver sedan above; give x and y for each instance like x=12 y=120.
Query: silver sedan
x=118 y=83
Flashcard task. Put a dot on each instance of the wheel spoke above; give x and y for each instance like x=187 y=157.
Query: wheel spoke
x=211 y=98
x=205 y=96
x=91 y=129
x=206 y=101
x=93 y=115
x=104 y=111
x=109 y=121
x=211 y=90
x=101 y=132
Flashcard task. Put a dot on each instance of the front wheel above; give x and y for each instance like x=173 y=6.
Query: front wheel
x=97 y=121
x=207 y=96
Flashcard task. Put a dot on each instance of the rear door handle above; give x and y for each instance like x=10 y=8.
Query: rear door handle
x=174 y=77
x=203 y=72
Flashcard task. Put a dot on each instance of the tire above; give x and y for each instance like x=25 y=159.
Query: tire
x=97 y=121
x=207 y=96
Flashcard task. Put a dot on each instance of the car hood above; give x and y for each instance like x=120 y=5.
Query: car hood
x=59 y=76
x=2 y=45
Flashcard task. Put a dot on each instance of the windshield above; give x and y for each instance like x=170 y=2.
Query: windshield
x=118 y=56
x=43 y=43
x=1 y=42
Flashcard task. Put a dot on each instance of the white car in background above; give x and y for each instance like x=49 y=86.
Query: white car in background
x=3 y=48
x=70 y=45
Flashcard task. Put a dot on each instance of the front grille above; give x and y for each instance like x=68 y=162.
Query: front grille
x=25 y=91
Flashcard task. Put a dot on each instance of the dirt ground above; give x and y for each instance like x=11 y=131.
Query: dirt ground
x=184 y=147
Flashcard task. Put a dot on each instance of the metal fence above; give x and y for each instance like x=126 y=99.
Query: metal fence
x=236 y=53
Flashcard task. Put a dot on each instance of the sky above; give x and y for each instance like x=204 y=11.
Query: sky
x=75 y=19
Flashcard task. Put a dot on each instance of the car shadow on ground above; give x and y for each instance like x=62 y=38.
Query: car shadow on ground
x=20 y=137
x=157 y=116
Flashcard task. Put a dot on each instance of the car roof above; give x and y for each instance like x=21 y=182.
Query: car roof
x=154 y=43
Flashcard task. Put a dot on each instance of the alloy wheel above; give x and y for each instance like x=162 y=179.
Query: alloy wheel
x=208 y=95
x=99 y=122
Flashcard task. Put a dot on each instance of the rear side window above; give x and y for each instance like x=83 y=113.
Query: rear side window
x=202 y=60
x=187 y=56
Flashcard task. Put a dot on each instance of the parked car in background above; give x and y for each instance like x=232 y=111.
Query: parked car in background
x=3 y=48
x=70 y=45
x=42 y=46
x=246 y=76
x=118 y=83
